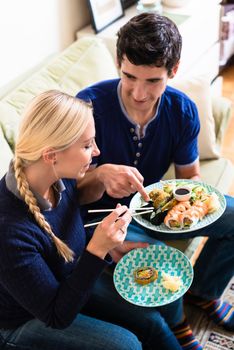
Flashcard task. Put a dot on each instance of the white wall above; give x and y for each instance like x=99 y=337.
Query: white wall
x=32 y=30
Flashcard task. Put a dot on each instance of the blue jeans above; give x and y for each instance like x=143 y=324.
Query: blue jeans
x=215 y=265
x=84 y=333
x=107 y=322
x=151 y=325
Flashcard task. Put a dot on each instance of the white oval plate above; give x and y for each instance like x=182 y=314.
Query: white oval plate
x=165 y=260
x=137 y=202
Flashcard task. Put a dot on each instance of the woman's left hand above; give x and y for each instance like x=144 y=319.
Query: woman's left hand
x=118 y=252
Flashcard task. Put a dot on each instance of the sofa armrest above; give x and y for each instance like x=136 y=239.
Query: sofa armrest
x=222 y=111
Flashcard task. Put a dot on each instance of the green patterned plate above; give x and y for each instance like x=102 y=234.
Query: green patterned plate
x=137 y=202
x=165 y=260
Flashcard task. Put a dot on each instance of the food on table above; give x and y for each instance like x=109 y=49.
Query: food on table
x=169 y=205
x=212 y=202
x=173 y=283
x=199 y=192
x=184 y=214
x=182 y=193
x=145 y=275
x=157 y=216
x=174 y=220
x=168 y=187
x=159 y=197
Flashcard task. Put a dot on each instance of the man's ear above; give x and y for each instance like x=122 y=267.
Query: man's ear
x=174 y=70
x=49 y=156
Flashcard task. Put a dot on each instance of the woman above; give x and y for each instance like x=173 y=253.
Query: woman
x=52 y=293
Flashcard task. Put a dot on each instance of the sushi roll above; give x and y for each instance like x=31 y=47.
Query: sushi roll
x=157 y=217
x=146 y=274
x=174 y=220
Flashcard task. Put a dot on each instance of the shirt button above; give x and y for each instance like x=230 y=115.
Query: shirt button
x=138 y=154
x=132 y=130
x=134 y=138
x=139 y=145
x=135 y=162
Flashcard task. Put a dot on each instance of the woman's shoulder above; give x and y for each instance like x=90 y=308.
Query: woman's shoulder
x=8 y=201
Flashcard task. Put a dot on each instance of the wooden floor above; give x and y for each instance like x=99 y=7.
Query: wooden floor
x=228 y=91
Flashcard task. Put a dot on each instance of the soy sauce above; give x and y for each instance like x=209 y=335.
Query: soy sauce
x=181 y=191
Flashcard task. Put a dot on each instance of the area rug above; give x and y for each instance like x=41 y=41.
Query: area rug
x=210 y=336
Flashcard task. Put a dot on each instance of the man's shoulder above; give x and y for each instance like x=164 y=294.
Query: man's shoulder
x=105 y=88
x=174 y=94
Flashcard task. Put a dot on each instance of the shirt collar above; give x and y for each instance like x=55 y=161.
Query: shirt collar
x=43 y=203
x=137 y=126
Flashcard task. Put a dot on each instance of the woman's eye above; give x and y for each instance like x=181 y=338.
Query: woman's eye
x=88 y=146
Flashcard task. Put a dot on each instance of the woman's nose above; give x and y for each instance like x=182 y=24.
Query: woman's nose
x=96 y=150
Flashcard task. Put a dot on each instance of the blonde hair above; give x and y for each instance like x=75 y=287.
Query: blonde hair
x=52 y=120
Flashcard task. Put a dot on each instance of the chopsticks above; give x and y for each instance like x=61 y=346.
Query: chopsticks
x=109 y=210
x=143 y=211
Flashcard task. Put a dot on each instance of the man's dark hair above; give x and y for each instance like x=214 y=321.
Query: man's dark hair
x=150 y=39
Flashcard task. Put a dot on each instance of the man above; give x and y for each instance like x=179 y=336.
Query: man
x=142 y=126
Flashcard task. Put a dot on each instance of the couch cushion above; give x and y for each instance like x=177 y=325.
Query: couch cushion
x=222 y=111
x=82 y=63
x=6 y=154
x=95 y=63
x=198 y=89
x=9 y=121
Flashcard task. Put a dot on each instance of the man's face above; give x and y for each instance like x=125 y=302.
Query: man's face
x=141 y=85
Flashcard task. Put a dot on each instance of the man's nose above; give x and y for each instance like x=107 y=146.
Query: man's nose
x=139 y=92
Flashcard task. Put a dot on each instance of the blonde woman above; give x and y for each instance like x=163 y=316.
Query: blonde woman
x=52 y=293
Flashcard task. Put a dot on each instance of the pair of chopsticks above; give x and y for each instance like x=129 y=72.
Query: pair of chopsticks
x=142 y=210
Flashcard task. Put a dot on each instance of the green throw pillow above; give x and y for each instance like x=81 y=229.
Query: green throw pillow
x=6 y=154
x=9 y=122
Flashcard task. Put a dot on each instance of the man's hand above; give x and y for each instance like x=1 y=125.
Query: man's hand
x=121 y=180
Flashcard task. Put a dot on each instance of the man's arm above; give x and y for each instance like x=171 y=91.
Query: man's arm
x=117 y=180
x=91 y=189
x=188 y=172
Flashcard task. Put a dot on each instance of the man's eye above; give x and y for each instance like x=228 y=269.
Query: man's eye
x=154 y=81
x=130 y=77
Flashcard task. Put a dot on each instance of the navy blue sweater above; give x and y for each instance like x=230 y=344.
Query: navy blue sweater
x=35 y=282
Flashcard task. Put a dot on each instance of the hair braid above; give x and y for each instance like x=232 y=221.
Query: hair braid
x=30 y=200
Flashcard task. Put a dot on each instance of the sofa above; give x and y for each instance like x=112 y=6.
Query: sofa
x=87 y=61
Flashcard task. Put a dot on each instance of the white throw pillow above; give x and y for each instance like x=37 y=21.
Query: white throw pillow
x=198 y=89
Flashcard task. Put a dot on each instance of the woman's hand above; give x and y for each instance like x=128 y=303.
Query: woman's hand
x=118 y=252
x=111 y=232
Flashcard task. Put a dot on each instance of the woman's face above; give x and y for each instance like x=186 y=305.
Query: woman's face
x=75 y=160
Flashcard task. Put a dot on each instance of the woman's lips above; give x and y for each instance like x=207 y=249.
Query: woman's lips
x=87 y=165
